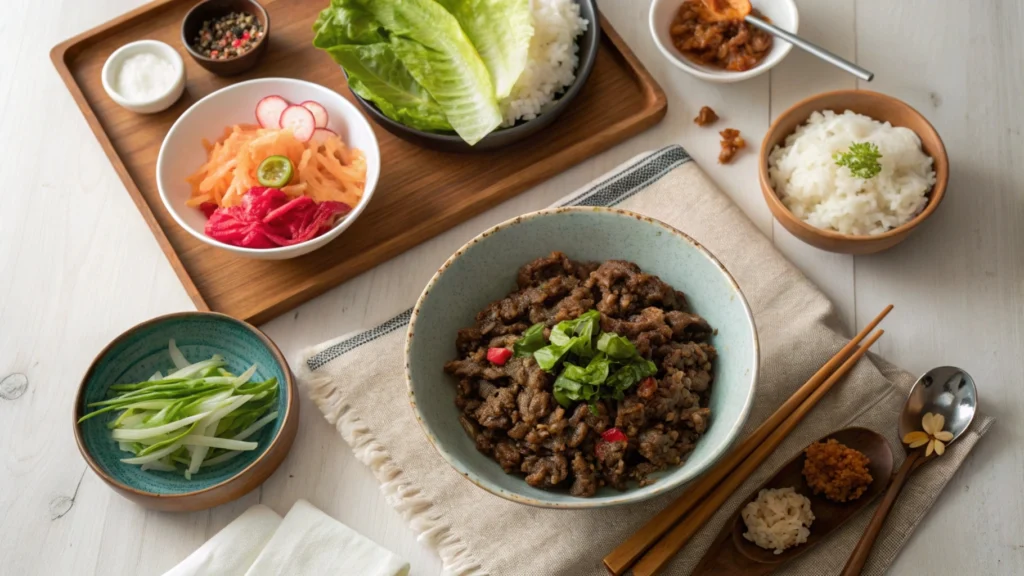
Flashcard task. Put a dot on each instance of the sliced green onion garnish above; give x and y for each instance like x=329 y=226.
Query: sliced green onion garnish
x=198 y=415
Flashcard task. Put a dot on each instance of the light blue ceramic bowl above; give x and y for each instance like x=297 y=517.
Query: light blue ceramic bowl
x=138 y=353
x=485 y=269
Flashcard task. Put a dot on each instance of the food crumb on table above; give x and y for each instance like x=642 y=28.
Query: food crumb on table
x=731 y=143
x=705 y=117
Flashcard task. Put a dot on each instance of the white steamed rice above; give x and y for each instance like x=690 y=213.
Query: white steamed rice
x=778 y=519
x=551 y=65
x=827 y=196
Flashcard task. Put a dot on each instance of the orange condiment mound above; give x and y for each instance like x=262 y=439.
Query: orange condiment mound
x=841 y=473
x=324 y=168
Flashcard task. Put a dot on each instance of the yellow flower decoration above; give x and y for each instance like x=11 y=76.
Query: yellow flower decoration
x=933 y=437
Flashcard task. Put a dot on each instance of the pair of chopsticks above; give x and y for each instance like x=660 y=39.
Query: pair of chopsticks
x=663 y=536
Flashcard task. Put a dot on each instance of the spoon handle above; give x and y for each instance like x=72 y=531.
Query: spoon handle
x=863 y=549
x=812 y=48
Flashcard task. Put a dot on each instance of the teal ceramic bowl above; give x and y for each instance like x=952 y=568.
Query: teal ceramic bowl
x=138 y=353
x=485 y=269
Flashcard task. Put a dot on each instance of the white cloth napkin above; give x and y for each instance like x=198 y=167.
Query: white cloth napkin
x=232 y=550
x=306 y=543
x=311 y=543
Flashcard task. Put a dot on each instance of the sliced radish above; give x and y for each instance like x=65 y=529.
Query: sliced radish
x=321 y=134
x=300 y=121
x=319 y=112
x=268 y=111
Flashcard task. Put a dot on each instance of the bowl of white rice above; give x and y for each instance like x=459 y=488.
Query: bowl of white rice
x=852 y=171
x=563 y=48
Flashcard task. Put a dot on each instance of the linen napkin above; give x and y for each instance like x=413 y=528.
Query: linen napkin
x=306 y=543
x=358 y=382
x=232 y=550
x=311 y=543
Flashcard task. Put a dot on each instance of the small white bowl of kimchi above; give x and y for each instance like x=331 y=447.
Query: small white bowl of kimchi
x=209 y=177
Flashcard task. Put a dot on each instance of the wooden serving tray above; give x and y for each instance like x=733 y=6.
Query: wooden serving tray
x=421 y=193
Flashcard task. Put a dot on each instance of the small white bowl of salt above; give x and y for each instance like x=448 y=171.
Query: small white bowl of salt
x=146 y=76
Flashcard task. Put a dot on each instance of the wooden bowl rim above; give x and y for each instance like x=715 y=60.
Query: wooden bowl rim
x=192 y=52
x=288 y=413
x=935 y=195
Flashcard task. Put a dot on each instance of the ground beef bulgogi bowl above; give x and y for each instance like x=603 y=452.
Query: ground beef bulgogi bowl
x=587 y=375
x=637 y=321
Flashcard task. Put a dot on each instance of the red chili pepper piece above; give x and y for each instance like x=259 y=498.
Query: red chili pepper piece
x=498 y=355
x=608 y=437
x=614 y=435
x=236 y=43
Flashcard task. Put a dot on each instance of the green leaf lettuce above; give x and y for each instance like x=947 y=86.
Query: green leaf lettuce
x=431 y=49
x=501 y=31
x=356 y=40
x=531 y=341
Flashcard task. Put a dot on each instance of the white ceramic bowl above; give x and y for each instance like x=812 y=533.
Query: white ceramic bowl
x=162 y=102
x=782 y=13
x=182 y=152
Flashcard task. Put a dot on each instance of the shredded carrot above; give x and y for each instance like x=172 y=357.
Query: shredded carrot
x=323 y=170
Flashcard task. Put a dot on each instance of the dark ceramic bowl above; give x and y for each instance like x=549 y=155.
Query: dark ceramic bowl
x=210 y=9
x=588 y=44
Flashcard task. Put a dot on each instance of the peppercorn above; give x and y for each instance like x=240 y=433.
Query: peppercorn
x=229 y=36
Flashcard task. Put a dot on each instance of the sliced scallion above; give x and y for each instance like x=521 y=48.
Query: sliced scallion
x=198 y=415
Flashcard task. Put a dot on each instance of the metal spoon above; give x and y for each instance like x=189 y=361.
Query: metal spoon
x=720 y=10
x=814 y=49
x=945 y=390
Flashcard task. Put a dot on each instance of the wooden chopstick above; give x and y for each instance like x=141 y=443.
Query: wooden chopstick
x=626 y=554
x=652 y=562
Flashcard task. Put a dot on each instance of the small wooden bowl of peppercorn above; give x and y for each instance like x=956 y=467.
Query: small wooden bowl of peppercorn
x=227 y=37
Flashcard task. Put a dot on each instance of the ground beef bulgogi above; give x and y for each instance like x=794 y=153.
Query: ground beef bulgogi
x=509 y=409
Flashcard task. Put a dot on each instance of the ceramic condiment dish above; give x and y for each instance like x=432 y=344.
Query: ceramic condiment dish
x=142 y=350
x=112 y=67
x=209 y=9
x=782 y=13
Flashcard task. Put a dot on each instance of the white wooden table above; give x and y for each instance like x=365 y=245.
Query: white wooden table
x=78 y=266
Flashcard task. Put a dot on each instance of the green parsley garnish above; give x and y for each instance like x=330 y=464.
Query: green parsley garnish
x=861 y=159
x=590 y=364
